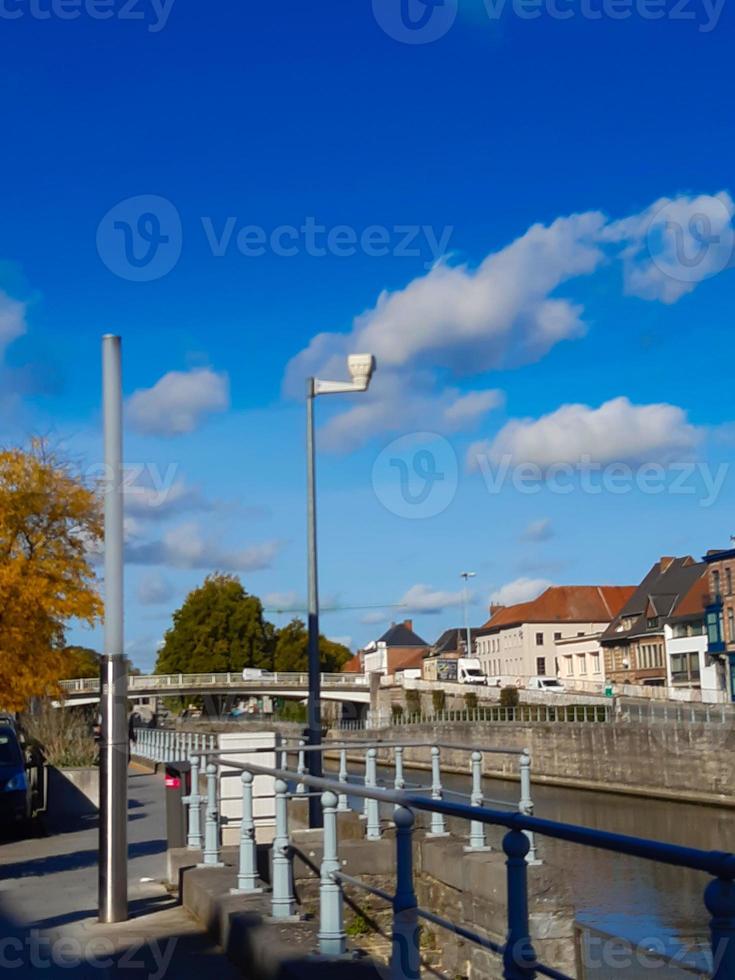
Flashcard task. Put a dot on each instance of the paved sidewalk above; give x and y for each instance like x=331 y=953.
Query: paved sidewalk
x=48 y=904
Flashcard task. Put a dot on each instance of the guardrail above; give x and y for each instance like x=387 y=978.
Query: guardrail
x=150 y=682
x=518 y=955
x=163 y=745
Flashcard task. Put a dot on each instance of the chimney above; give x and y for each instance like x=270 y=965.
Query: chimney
x=665 y=563
x=495 y=607
x=408 y=623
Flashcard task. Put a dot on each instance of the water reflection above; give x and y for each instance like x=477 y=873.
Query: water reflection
x=640 y=900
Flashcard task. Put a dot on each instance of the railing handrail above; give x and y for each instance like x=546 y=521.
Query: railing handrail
x=214 y=678
x=718 y=863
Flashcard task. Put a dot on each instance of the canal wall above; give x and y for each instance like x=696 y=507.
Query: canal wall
x=672 y=761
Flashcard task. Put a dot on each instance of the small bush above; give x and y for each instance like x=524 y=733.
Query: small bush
x=359 y=926
x=64 y=736
x=396 y=711
x=509 y=697
x=438 y=700
x=470 y=700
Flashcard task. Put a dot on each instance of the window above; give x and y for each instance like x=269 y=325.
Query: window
x=568 y=666
x=680 y=630
x=595 y=663
x=684 y=668
x=582 y=663
x=541 y=666
x=653 y=622
x=557 y=636
x=714 y=630
x=731 y=625
x=539 y=639
x=728 y=580
x=581 y=633
x=715 y=581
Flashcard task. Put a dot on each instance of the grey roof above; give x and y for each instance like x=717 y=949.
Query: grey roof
x=399 y=635
x=451 y=640
x=659 y=593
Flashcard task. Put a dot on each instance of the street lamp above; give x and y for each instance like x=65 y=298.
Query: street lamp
x=467 y=576
x=361 y=367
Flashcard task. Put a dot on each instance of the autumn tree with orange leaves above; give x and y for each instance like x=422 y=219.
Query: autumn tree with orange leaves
x=50 y=522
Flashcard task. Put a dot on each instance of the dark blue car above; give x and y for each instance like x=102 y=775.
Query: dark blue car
x=15 y=789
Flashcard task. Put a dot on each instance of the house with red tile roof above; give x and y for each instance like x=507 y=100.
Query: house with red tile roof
x=519 y=641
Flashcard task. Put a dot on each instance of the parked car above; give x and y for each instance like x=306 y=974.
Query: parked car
x=550 y=684
x=16 y=794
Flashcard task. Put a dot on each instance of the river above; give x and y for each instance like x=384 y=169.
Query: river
x=648 y=903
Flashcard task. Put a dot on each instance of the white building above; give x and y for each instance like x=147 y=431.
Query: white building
x=581 y=663
x=520 y=641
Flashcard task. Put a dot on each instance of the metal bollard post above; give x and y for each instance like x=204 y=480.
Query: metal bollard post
x=342 y=803
x=438 y=826
x=211 y=823
x=247 y=878
x=405 y=962
x=478 y=841
x=194 y=801
x=399 y=783
x=372 y=807
x=301 y=769
x=519 y=956
x=282 y=899
x=332 y=936
x=525 y=804
x=719 y=897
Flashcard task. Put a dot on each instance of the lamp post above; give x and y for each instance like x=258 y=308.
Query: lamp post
x=361 y=367
x=113 y=825
x=467 y=576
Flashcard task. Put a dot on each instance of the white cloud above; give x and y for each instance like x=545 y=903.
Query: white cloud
x=186 y=547
x=179 y=402
x=424 y=599
x=397 y=402
x=540 y=530
x=154 y=590
x=672 y=246
x=12 y=320
x=461 y=321
x=520 y=590
x=157 y=503
x=617 y=431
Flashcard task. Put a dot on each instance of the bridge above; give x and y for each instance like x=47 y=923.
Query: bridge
x=349 y=688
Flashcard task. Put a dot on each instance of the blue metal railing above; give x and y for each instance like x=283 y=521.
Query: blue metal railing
x=519 y=958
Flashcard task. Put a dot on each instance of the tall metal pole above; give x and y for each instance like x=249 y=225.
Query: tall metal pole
x=113 y=826
x=465 y=603
x=314 y=723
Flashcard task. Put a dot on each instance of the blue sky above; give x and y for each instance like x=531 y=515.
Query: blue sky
x=526 y=218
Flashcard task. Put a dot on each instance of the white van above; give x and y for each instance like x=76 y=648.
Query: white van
x=469 y=671
x=255 y=674
x=550 y=684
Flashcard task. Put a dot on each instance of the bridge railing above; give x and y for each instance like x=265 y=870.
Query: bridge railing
x=519 y=958
x=157 y=682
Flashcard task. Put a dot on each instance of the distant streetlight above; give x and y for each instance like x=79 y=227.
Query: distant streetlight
x=466 y=598
x=361 y=367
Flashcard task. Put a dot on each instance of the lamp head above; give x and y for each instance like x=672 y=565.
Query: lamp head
x=361 y=367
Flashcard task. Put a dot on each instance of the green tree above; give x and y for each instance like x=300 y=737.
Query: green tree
x=81 y=662
x=291 y=650
x=219 y=627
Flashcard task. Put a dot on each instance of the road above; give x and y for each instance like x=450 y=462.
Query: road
x=48 y=901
